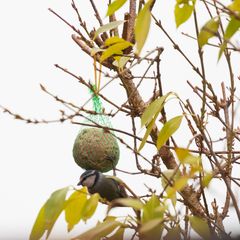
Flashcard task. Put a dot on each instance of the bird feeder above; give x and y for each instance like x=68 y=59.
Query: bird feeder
x=96 y=148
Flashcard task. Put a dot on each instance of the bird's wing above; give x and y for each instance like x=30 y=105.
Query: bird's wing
x=120 y=185
x=122 y=190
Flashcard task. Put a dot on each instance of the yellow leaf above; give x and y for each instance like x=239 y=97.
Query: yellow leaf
x=74 y=207
x=90 y=207
x=129 y=202
x=142 y=26
x=114 y=6
x=99 y=231
x=208 y=31
x=171 y=194
x=118 y=235
x=207 y=179
x=113 y=40
x=120 y=62
x=39 y=225
x=235 y=6
x=115 y=49
x=185 y=157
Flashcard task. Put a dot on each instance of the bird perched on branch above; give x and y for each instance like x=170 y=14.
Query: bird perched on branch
x=106 y=186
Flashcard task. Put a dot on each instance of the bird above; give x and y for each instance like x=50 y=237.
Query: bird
x=106 y=186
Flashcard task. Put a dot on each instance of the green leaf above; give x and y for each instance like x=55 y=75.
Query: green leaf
x=183 y=11
x=172 y=195
x=178 y=185
x=151 y=229
x=142 y=26
x=181 y=183
x=150 y=210
x=101 y=230
x=114 y=6
x=107 y=27
x=115 y=49
x=169 y=175
x=90 y=207
x=147 y=133
x=174 y=233
x=53 y=208
x=168 y=129
x=154 y=108
x=207 y=179
x=178 y=182
x=222 y=49
x=74 y=207
x=200 y=226
x=232 y=28
x=39 y=225
x=170 y=190
x=49 y=213
x=150 y=225
x=208 y=31
x=55 y=204
x=129 y=202
x=150 y=115
x=161 y=209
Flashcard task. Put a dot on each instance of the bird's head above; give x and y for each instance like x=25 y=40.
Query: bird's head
x=89 y=178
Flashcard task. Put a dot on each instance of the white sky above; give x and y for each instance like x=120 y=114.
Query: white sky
x=37 y=159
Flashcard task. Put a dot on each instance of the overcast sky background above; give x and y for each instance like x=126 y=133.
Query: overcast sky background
x=37 y=159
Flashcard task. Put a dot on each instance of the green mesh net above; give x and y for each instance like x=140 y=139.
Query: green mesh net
x=95 y=148
x=99 y=118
